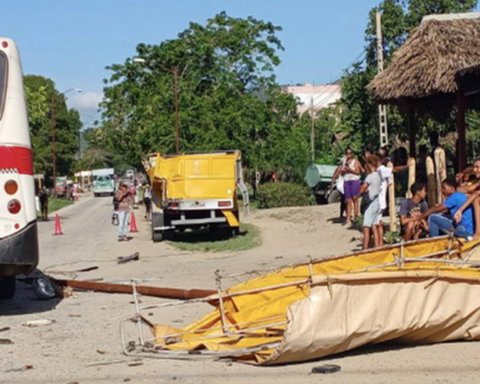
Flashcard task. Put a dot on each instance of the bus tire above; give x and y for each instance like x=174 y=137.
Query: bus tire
x=7 y=287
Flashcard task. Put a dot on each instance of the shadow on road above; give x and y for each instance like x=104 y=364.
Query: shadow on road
x=25 y=302
x=203 y=235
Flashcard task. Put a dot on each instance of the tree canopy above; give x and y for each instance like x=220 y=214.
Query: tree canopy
x=228 y=97
x=39 y=94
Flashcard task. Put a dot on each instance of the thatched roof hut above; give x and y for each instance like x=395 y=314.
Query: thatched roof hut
x=427 y=64
x=435 y=68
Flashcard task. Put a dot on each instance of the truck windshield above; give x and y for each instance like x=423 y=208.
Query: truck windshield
x=3 y=82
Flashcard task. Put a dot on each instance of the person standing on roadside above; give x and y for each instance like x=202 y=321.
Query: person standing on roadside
x=147 y=199
x=351 y=169
x=125 y=200
x=371 y=189
x=43 y=197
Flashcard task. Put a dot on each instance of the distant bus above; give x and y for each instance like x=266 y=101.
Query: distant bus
x=103 y=182
x=18 y=226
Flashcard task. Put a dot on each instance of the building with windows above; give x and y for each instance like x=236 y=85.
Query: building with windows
x=314 y=97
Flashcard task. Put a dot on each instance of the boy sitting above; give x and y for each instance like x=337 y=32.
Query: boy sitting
x=411 y=210
x=439 y=223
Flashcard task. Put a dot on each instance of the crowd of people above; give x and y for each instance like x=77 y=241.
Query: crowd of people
x=458 y=213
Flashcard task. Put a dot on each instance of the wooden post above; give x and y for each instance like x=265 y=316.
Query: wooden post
x=461 y=129
x=391 y=202
x=411 y=175
x=431 y=187
x=440 y=171
x=412 y=129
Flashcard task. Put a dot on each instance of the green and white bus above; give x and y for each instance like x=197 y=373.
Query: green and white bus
x=103 y=182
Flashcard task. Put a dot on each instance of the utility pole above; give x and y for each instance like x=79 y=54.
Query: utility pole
x=382 y=109
x=54 y=159
x=312 y=134
x=177 y=118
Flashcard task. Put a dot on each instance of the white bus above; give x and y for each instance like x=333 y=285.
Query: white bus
x=18 y=227
x=103 y=181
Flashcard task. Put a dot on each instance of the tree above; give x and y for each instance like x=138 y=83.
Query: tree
x=228 y=98
x=39 y=93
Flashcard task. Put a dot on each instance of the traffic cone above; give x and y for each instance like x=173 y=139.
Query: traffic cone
x=133 y=223
x=58 y=226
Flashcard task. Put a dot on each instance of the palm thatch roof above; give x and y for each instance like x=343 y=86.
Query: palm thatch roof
x=428 y=63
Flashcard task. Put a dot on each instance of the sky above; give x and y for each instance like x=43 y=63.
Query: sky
x=72 y=42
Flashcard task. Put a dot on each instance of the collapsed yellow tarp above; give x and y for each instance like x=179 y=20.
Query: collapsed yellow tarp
x=341 y=303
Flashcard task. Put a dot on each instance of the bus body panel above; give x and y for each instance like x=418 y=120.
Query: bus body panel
x=18 y=231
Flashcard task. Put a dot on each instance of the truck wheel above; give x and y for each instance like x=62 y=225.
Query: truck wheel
x=95 y=195
x=235 y=232
x=157 y=236
x=7 y=287
x=319 y=199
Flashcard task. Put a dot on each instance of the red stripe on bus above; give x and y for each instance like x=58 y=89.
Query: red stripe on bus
x=16 y=159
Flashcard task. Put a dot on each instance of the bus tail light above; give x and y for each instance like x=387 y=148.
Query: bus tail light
x=173 y=205
x=4 y=44
x=14 y=206
x=11 y=187
x=224 y=203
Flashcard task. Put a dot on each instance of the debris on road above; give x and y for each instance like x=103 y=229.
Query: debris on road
x=37 y=323
x=6 y=342
x=126 y=259
x=43 y=288
x=111 y=362
x=24 y=368
x=326 y=369
x=4 y=329
x=168 y=293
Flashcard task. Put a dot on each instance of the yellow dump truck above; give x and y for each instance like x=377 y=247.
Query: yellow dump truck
x=195 y=190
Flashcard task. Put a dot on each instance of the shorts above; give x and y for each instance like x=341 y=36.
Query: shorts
x=351 y=189
x=372 y=214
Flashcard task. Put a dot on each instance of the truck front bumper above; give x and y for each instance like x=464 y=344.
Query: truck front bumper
x=19 y=252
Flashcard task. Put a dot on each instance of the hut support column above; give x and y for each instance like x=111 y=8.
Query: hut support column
x=461 y=129
x=412 y=130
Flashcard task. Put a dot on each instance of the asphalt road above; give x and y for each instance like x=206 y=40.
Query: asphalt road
x=84 y=328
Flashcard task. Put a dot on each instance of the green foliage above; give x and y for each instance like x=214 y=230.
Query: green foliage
x=40 y=92
x=56 y=204
x=203 y=241
x=228 y=98
x=392 y=237
x=275 y=195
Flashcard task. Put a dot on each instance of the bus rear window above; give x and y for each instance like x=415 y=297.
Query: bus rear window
x=3 y=82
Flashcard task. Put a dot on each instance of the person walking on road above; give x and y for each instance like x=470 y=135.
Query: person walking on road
x=125 y=200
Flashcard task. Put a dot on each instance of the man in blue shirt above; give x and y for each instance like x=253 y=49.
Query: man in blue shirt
x=440 y=218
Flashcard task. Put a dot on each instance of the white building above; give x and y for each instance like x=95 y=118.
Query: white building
x=318 y=96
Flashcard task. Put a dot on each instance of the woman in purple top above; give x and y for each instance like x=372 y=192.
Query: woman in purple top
x=351 y=169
